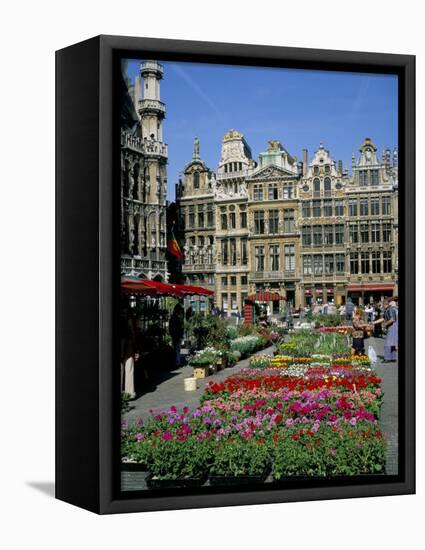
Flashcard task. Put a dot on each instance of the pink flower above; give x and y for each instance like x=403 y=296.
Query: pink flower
x=166 y=436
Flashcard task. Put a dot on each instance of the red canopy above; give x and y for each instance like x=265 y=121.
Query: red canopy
x=146 y=287
x=265 y=296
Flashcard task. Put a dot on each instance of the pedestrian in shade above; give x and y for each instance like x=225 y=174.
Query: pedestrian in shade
x=349 y=309
x=377 y=316
x=390 y=322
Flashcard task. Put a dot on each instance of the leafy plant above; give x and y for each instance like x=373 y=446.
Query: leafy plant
x=240 y=457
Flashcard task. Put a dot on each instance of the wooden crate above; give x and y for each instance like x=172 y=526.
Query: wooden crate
x=201 y=372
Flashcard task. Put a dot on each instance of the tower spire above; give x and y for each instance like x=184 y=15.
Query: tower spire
x=196 y=144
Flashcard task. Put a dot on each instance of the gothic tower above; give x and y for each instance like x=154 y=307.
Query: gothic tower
x=151 y=111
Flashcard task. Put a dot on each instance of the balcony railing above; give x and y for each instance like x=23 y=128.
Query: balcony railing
x=151 y=105
x=273 y=275
x=144 y=146
x=136 y=266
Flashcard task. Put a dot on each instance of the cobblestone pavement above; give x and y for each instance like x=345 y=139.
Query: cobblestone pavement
x=170 y=391
x=389 y=419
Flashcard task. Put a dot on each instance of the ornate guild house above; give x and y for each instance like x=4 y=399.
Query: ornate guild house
x=283 y=229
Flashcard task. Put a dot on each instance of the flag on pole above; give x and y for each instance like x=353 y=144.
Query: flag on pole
x=173 y=246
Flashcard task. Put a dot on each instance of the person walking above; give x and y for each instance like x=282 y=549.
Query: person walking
x=349 y=309
x=176 y=330
x=369 y=312
x=342 y=312
x=129 y=356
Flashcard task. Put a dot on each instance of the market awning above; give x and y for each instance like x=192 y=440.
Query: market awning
x=146 y=287
x=364 y=287
x=265 y=296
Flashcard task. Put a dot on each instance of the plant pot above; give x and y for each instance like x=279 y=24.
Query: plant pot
x=181 y=483
x=190 y=384
x=238 y=480
x=133 y=467
x=201 y=372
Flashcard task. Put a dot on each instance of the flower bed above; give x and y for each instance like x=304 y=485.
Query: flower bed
x=292 y=415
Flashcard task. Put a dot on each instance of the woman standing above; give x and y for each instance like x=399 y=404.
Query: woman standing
x=390 y=322
x=359 y=327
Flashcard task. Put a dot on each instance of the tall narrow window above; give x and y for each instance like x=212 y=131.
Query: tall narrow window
x=201 y=216
x=328 y=186
x=307 y=265
x=196 y=180
x=374 y=177
x=327 y=207
x=243 y=220
x=363 y=177
x=387 y=261
x=274 y=257
x=339 y=207
x=273 y=192
x=232 y=220
x=232 y=251
x=374 y=206
x=376 y=262
x=339 y=233
x=224 y=252
x=316 y=209
x=365 y=261
x=364 y=207
x=328 y=234
x=306 y=235
x=340 y=263
x=317 y=234
x=386 y=206
x=259 y=258
x=244 y=251
x=316 y=187
x=273 y=221
x=354 y=263
x=352 y=207
x=259 y=222
x=306 y=209
x=364 y=232
x=258 y=192
x=191 y=215
x=354 y=233
x=374 y=233
x=288 y=221
x=329 y=263
x=210 y=215
x=289 y=253
x=318 y=264
x=223 y=220
x=386 y=232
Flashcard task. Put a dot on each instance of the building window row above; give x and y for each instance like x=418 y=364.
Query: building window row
x=317 y=187
x=319 y=264
x=228 y=218
x=318 y=235
x=270 y=192
x=229 y=251
x=368 y=177
x=272 y=226
x=370 y=232
x=274 y=258
x=321 y=208
x=371 y=262
x=200 y=215
x=369 y=206
x=232 y=280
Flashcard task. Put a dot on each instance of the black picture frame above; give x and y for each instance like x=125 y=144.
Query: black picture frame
x=87 y=408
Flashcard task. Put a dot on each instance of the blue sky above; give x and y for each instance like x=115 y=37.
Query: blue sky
x=300 y=108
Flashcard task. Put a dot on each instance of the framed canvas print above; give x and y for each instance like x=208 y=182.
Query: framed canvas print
x=235 y=274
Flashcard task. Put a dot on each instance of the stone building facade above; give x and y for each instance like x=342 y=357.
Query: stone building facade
x=143 y=175
x=301 y=230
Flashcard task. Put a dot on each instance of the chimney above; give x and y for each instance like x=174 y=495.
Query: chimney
x=305 y=161
x=340 y=167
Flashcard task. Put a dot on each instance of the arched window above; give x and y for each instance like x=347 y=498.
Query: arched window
x=196 y=179
x=316 y=187
x=328 y=187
